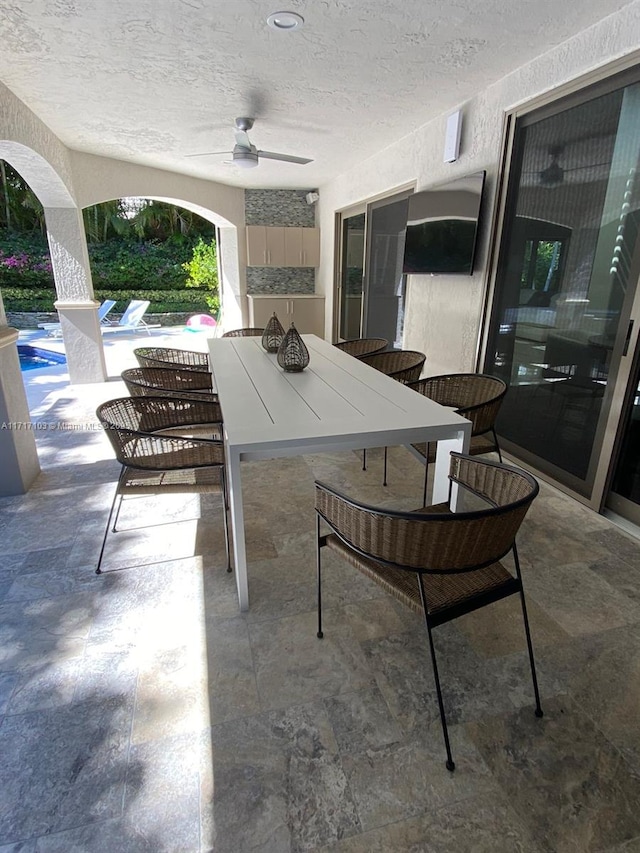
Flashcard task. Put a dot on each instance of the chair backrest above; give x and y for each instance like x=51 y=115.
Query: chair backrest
x=477 y=396
x=169 y=357
x=244 y=333
x=151 y=381
x=104 y=309
x=134 y=313
x=130 y=418
x=359 y=347
x=438 y=542
x=403 y=365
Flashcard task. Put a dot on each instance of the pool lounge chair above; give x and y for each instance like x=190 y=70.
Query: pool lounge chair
x=132 y=319
x=103 y=310
x=54 y=330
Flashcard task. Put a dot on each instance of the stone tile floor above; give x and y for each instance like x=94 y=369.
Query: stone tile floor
x=140 y=711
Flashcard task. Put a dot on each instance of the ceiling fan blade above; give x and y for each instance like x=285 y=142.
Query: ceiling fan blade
x=286 y=158
x=242 y=139
x=208 y=153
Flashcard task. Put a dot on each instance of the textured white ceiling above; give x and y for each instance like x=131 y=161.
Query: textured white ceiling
x=152 y=80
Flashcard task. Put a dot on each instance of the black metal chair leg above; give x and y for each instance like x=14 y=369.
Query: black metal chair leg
x=538 y=712
x=226 y=537
x=426 y=475
x=319 y=575
x=384 y=476
x=449 y=764
x=495 y=438
x=364 y=459
x=115 y=520
x=106 y=531
x=225 y=510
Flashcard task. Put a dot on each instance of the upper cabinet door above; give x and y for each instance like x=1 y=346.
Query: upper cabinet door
x=275 y=247
x=293 y=247
x=310 y=247
x=256 y=245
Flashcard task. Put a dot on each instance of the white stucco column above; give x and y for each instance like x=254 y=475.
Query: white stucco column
x=75 y=304
x=18 y=456
x=233 y=280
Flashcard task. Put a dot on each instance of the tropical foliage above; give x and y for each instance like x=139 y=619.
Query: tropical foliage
x=203 y=272
x=137 y=247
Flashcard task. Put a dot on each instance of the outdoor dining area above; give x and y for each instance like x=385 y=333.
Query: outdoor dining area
x=255 y=608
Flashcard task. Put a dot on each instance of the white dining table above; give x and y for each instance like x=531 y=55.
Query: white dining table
x=336 y=403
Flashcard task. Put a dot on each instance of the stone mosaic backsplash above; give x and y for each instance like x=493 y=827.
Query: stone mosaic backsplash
x=280 y=280
x=279 y=207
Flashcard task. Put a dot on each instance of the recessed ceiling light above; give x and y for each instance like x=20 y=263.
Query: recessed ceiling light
x=286 y=21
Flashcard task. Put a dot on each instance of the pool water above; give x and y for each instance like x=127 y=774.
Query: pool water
x=32 y=358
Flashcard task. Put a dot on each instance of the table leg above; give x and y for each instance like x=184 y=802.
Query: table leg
x=237 y=528
x=459 y=444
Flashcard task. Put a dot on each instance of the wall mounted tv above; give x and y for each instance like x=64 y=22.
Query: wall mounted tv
x=442 y=227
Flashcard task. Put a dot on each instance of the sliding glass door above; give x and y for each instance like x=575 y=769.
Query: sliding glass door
x=370 y=279
x=566 y=280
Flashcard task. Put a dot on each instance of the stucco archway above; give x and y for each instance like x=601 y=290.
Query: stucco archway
x=100 y=179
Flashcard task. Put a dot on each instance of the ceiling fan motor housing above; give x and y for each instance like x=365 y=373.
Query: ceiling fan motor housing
x=245 y=158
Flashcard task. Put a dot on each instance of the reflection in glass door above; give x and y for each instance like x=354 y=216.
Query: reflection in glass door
x=563 y=286
x=351 y=276
x=384 y=281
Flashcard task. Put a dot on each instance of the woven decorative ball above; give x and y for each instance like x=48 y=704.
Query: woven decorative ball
x=273 y=334
x=293 y=356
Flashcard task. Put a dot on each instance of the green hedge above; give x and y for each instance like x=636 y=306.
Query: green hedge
x=162 y=301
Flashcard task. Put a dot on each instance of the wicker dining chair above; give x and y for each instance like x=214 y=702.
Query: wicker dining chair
x=440 y=563
x=167 y=382
x=475 y=396
x=403 y=365
x=359 y=347
x=170 y=357
x=244 y=333
x=157 y=441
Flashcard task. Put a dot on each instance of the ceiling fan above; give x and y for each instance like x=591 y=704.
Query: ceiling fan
x=247 y=155
x=554 y=173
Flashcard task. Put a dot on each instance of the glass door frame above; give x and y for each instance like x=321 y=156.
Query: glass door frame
x=625 y=388
x=616 y=75
x=347 y=213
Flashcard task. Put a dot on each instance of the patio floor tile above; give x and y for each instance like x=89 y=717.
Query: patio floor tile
x=141 y=711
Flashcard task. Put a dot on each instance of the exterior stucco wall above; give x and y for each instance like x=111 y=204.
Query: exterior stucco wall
x=443 y=313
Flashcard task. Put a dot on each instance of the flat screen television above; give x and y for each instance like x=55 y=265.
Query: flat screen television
x=442 y=227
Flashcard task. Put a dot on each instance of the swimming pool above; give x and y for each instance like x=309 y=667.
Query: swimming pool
x=32 y=358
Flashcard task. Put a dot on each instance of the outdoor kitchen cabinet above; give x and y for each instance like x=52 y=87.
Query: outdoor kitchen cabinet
x=305 y=310
x=273 y=246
